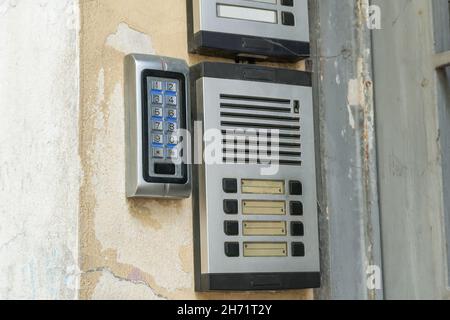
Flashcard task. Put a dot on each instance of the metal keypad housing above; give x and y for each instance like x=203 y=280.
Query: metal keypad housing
x=156 y=106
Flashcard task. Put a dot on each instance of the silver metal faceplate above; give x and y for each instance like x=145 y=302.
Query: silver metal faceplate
x=206 y=19
x=136 y=186
x=212 y=216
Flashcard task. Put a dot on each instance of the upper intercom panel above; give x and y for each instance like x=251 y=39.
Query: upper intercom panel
x=276 y=30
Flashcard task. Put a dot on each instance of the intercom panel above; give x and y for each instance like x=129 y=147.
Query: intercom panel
x=255 y=229
x=276 y=30
x=156 y=104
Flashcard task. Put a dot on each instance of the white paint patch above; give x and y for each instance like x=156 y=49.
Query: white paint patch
x=353 y=94
x=112 y=288
x=128 y=41
x=351 y=117
x=39 y=162
x=353 y=99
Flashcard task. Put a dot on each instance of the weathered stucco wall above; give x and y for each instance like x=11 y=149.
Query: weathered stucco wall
x=140 y=249
x=39 y=163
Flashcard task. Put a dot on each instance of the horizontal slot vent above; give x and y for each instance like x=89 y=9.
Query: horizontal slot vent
x=260 y=130
x=252 y=98
x=249 y=107
x=259 y=116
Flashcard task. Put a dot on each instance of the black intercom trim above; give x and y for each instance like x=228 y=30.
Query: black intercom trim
x=196 y=115
x=229 y=45
x=190 y=25
x=247 y=72
x=145 y=123
x=260 y=281
x=268 y=49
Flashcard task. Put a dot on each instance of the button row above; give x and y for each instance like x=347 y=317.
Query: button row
x=231 y=206
x=164 y=85
x=158 y=125
x=158 y=98
x=159 y=113
x=231 y=186
x=170 y=140
x=231 y=228
x=232 y=249
x=171 y=153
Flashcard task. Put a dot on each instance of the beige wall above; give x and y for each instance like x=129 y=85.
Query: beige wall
x=130 y=248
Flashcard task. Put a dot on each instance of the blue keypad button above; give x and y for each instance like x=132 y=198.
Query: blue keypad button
x=158 y=138
x=172 y=127
x=157 y=98
x=172 y=139
x=172 y=153
x=158 y=125
x=158 y=153
x=172 y=113
x=157 y=112
x=157 y=85
x=171 y=100
x=172 y=86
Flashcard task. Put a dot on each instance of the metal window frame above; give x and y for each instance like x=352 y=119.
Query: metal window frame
x=441 y=61
x=350 y=227
x=346 y=154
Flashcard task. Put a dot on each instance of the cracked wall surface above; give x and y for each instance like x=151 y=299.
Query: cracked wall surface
x=134 y=249
x=39 y=164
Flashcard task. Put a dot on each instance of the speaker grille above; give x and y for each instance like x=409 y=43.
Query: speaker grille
x=260 y=130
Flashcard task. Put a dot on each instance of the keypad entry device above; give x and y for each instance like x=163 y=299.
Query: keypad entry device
x=255 y=230
x=275 y=30
x=156 y=94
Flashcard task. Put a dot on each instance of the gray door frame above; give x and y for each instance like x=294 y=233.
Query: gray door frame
x=383 y=131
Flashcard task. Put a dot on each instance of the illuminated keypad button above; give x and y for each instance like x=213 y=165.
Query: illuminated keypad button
x=172 y=153
x=157 y=125
x=172 y=86
x=172 y=139
x=157 y=112
x=172 y=127
x=158 y=153
x=158 y=138
x=171 y=100
x=157 y=85
x=172 y=113
x=157 y=98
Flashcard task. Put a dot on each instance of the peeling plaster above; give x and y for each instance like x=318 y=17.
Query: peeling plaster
x=112 y=287
x=127 y=40
x=140 y=248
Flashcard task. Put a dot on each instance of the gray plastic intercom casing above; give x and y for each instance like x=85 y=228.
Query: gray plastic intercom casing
x=136 y=185
x=209 y=33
